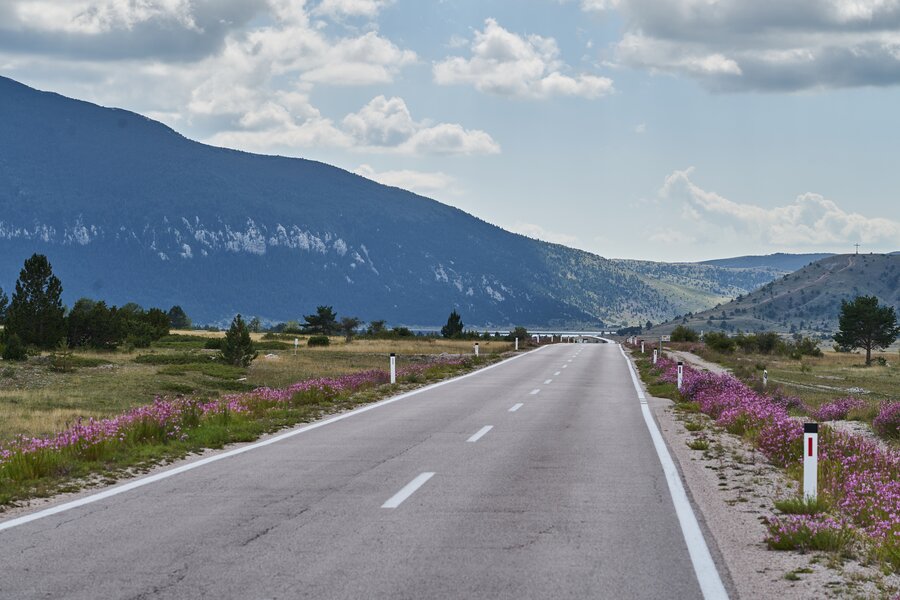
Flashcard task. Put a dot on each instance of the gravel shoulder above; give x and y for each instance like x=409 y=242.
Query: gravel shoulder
x=733 y=489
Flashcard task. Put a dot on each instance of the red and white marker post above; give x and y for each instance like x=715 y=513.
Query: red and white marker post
x=393 y=368
x=810 y=461
x=680 y=374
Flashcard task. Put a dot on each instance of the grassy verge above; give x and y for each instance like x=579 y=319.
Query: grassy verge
x=104 y=437
x=859 y=483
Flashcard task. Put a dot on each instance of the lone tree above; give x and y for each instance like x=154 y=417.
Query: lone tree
x=178 y=319
x=237 y=349
x=36 y=313
x=454 y=326
x=324 y=322
x=348 y=327
x=865 y=324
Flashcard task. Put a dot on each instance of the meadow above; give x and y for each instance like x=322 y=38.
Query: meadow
x=819 y=381
x=37 y=399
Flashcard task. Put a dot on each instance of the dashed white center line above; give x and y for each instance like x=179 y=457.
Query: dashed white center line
x=480 y=433
x=408 y=490
x=516 y=407
x=556 y=374
x=548 y=381
x=564 y=366
x=535 y=391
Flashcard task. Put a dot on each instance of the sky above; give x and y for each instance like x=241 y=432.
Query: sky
x=671 y=130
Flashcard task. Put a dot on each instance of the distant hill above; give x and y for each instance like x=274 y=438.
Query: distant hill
x=786 y=263
x=129 y=210
x=806 y=301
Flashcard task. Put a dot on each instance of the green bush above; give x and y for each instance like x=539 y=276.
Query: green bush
x=178 y=358
x=14 y=348
x=719 y=342
x=318 y=340
x=684 y=334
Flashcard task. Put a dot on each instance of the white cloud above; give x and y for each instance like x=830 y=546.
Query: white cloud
x=421 y=182
x=735 y=45
x=351 y=8
x=640 y=128
x=387 y=125
x=507 y=64
x=810 y=220
x=536 y=231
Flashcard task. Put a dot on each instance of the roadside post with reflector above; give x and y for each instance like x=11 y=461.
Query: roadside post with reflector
x=810 y=461
x=765 y=377
x=655 y=353
x=680 y=374
x=393 y=368
x=476 y=348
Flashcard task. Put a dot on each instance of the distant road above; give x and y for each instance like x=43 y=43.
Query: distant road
x=534 y=479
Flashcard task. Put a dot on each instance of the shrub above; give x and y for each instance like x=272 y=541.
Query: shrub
x=14 y=349
x=887 y=423
x=684 y=334
x=318 y=340
x=719 y=342
x=213 y=344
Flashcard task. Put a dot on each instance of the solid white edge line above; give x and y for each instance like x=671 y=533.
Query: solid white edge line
x=408 y=490
x=114 y=491
x=516 y=407
x=704 y=567
x=480 y=433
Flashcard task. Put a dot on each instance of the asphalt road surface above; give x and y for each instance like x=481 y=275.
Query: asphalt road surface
x=537 y=478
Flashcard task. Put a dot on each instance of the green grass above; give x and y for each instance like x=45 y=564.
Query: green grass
x=801 y=506
x=698 y=443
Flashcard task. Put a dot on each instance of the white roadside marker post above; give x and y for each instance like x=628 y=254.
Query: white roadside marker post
x=642 y=346
x=810 y=461
x=476 y=348
x=393 y=368
x=765 y=377
x=517 y=344
x=655 y=352
x=296 y=343
x=680 y=374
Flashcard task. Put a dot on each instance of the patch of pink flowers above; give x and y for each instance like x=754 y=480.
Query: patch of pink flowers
x=856 y=476
x=168 y=418
x=887 y=423
x=837 y=409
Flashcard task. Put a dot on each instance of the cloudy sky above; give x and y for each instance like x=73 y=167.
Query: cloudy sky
x=658 y=129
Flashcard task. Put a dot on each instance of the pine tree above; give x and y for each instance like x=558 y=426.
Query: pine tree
x=454 y=326
x=324 y=322
x=237 y=348
x=865 y=324
x=36 y=313
x=4 y=304
x=178 y=319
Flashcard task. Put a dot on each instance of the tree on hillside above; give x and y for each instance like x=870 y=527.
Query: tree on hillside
x=348 y=327
x=237 y=348
x=454 y=326
x=255 y=325
x=4 y=304
x=178 y=319
x=684 y=334
x=324 y=322
x=36 y=313
x=865 y=324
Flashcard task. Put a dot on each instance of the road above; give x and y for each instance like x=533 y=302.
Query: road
x=537 y=478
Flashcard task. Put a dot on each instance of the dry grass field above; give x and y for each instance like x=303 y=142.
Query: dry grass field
x=37 y=400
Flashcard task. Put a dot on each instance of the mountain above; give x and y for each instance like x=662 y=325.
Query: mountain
x=786 y=263
x=806 y=301
x=126 y=209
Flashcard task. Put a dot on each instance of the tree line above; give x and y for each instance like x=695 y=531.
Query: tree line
x=35 y=317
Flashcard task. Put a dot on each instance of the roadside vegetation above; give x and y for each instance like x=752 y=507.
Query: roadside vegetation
x=858 y=509
x=111 y=413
